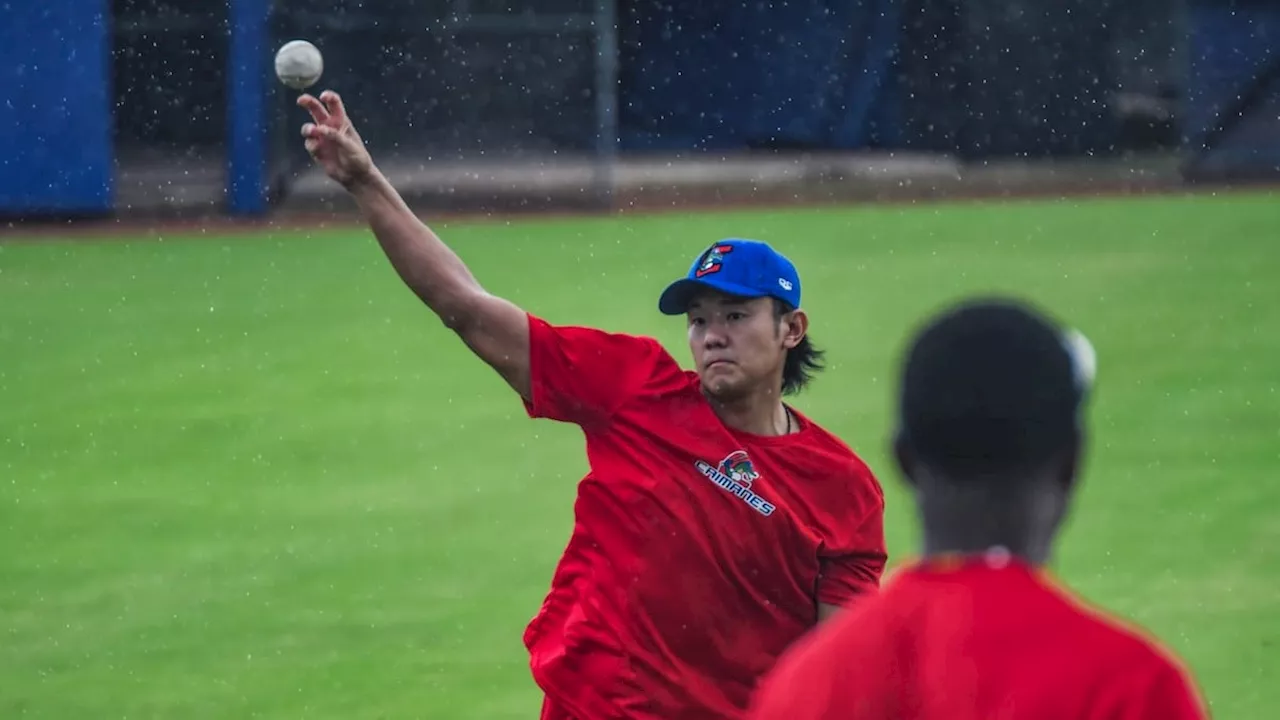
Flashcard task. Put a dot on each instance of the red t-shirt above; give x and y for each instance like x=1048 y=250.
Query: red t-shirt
x=698 y=553
x=975 y=639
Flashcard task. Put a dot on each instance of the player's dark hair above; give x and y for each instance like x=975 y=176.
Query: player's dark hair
x=989 y=390
x=803 y=361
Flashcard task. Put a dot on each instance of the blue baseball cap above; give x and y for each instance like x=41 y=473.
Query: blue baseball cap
x=742 y=268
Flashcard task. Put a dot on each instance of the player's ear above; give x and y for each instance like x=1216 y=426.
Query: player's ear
x=1069 y=466
x=904 y=456
x=795 y=327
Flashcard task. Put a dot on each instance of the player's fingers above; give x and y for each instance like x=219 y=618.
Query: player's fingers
x=312 y=146
x=317 y=109
x=333 y=103
x=312 y=130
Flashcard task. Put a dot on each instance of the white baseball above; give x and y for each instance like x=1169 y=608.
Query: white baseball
x=299 y=64
x=1083 y=356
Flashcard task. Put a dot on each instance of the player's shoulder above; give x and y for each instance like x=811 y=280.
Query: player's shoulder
x=862 y=628
x=840 y=461
x=609 y=346
x=1114 y=639
x=1139 y=668
x=1141 y=647
x=861 y=644
x=830 y=444
x=589 y=333
x=808 y=676
x=845 y=659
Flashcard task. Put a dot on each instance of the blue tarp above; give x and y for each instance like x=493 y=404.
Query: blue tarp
x=722 y=74
x=55 y=107
x=1232 y=109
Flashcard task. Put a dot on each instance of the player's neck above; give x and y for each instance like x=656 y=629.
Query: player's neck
x=757 y=414
x=972 y=523
x=943 y=544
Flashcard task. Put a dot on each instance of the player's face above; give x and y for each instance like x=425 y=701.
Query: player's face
x=738 y=345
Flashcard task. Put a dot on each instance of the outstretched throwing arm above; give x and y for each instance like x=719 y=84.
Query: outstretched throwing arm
x=495 y=329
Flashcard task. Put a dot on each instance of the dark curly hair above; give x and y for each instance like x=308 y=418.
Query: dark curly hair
x=803 y=361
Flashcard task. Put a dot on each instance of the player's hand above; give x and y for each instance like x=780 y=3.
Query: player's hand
x=333 y=141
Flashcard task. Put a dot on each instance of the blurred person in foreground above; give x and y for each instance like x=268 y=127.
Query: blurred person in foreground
x=717 y=525
x=989 y=439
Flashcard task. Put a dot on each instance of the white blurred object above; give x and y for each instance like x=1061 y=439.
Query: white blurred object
x=1083 y=357
x=299 y=64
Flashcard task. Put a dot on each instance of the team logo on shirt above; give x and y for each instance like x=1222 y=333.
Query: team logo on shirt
x=713 y=260
x=735 y=474
x=739 y=468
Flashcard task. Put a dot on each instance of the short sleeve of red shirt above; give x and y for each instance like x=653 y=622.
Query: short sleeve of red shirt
x=582 y=375
x=852 y=565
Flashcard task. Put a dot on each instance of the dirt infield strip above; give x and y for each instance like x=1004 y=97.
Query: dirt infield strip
x=135 y=227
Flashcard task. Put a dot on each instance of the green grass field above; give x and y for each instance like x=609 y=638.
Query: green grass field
x=249 y=476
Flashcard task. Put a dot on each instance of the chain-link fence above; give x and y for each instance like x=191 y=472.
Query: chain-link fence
x=539 y=81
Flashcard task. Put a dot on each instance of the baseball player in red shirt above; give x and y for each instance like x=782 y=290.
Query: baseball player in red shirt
x=990 y=435
x=717 y=524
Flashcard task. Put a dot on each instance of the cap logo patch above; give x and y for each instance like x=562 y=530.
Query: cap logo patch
x=713 y=260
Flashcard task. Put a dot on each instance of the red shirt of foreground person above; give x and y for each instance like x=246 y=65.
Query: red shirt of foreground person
x=699 y=552
x=989 y=437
